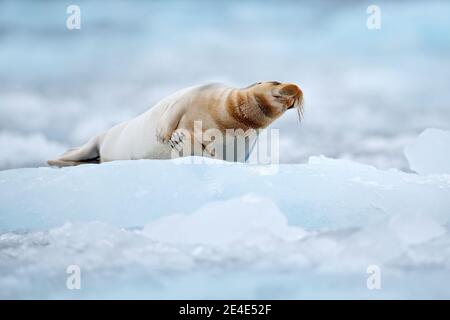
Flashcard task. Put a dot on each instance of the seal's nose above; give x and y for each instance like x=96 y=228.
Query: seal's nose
x=291 y=90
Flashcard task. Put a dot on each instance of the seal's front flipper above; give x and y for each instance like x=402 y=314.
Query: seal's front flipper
x=87 y=153
x=169 y=121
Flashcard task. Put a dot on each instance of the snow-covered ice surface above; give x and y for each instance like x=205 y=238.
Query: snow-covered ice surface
x=164 y=229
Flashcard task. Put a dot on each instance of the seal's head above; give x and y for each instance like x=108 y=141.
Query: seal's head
x=258 y=105
x=274 y=98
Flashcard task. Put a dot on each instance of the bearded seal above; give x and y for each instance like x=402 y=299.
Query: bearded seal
x=171 y=123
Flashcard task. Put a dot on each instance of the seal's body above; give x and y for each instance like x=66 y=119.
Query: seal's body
x=156 y=133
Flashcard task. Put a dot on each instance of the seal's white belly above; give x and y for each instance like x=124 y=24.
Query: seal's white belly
x=135 y=139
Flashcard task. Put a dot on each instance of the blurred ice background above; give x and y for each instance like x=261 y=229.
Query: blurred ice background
x=368 y=93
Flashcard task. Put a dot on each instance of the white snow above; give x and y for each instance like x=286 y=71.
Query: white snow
x=167 y=229
x=430 y=153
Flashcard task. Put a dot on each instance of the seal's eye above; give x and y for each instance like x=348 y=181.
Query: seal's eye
x=254 y=84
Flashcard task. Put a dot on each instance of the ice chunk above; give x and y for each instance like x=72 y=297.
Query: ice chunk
x=157 y=229
x=430 y=152
x=225 y=222
x=325 y=193
x=207 y=253
x=223 y=230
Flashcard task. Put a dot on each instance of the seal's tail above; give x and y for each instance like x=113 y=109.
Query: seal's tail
x=87 y=153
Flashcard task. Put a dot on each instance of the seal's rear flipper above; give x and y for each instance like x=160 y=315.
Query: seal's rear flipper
x=87 y=153
x=66 y=163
